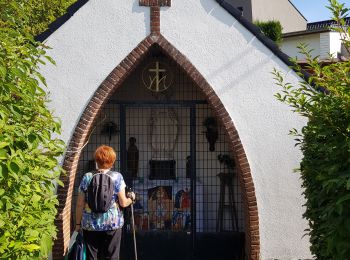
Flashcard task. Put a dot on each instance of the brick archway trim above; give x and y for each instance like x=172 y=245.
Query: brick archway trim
x=113 y=81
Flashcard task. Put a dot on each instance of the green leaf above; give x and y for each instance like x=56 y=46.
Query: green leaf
x=60 y=183
x=4 y=144
x=31 y=247
x=342 y=199
x=8 y=205
x=13 y=167
x=2 y=223
x=3 y=154
x=2 y=71
x=348 y=184
x=3 y=171
x=36 y=198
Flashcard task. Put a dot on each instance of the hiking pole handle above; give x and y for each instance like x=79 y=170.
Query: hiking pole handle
x=128 y=194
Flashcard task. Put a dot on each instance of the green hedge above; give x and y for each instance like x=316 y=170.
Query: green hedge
x=272 y=29
x=325 y=143
x=28 y=145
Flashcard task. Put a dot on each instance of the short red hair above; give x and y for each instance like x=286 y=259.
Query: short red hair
x=105 y=157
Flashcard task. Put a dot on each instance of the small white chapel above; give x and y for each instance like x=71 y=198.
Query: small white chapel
x=183 y=91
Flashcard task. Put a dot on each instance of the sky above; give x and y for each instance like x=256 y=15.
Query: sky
x=315 y=10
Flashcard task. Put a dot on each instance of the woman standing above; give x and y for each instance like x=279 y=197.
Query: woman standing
x=102 y=231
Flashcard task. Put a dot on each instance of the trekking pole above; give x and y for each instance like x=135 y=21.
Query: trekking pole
x=133 y=224
x=133 y=229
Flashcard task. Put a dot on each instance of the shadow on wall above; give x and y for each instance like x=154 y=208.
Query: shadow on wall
x=252 y=43
x=136 y=8
x=213 y=8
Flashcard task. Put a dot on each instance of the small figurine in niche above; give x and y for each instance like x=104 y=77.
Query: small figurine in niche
x=212 y=132
x=110 y=129
x=227 y=161
x=133 y=158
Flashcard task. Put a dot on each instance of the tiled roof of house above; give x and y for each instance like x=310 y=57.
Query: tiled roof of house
x=316 y=27
x=324 y=24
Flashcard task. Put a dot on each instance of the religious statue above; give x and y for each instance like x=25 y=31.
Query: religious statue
x=132 y=158
x=164 y=133
x=212 y=132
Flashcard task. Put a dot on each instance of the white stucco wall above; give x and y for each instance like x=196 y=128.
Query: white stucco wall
x=289 y=45
x=238 y=67
x=335 y=45
x=86 y=49
x=321 y=44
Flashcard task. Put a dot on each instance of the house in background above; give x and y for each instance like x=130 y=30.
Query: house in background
x=317 y=35
x=320 y=38
x=281 y=10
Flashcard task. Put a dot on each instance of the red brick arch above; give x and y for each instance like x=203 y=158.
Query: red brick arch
x=113 y=81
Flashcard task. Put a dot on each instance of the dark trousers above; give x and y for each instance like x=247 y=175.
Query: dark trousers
x=102 y=244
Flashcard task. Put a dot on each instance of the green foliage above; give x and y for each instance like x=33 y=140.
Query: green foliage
x=40 y=13
x=325 y=144
x=340 y=12
x=272 y=29
x=28 y=146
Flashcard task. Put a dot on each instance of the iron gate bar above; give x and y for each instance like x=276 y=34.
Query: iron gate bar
x=183 y=104
x=122 y=152
x=193 y=174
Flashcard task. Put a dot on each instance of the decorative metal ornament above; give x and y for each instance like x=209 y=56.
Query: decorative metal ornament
x=212 y=132
x=110 y=129
x=157 y=76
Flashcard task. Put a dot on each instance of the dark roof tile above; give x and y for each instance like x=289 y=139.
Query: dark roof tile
x=324 y=24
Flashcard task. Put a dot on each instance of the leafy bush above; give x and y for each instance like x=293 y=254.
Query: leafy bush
x=28 y=146
x=272 y=29
x=325 y=144
x=40 y=13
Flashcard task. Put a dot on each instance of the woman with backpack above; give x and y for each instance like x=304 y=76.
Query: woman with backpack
x=98 y=213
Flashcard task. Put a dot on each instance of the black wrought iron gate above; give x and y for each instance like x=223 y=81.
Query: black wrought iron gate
x=158 y=157
x=175 y=155
x=158 y=150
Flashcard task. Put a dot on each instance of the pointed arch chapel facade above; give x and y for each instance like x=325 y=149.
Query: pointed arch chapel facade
x=102 y=43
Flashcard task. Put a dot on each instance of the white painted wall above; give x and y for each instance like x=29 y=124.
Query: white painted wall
x=289 y=45
x=86 y=49
x=324 y=45
x=235 y=63
x=321 y=44
x=239 y=68
x=335 y=44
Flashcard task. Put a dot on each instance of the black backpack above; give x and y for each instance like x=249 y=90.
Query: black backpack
x=100 y=192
